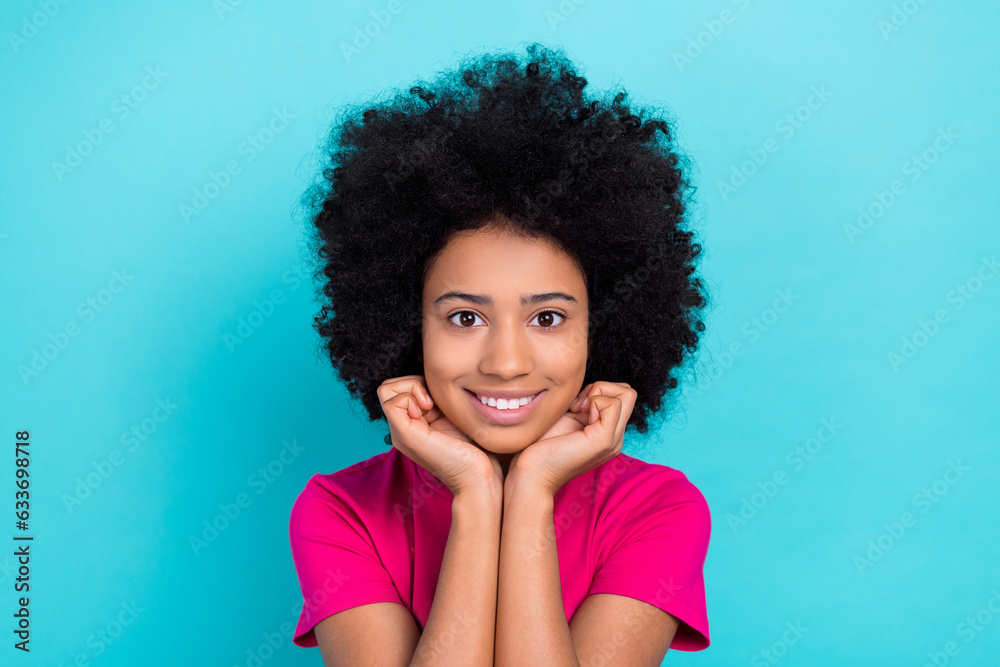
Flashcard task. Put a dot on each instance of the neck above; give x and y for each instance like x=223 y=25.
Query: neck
x=504 y=462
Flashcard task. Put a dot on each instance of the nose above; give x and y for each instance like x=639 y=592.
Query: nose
x=507 y=352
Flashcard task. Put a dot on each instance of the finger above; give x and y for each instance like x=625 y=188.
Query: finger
x=619 y=390
x=401 y=404
x=611 y=402
x=601 y=415
x=581 y=415
x=392 y=387
x=433 y=415
x=578 y=403
x=412 y=384
x=415 y=385
x=627 y=396
x=611 y=388
x=607 y=410
x=428 y=399
x=598 y=388
x=586 y=402
x=413 y=410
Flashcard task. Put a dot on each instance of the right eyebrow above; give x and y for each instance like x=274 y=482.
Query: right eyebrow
x=482 y=300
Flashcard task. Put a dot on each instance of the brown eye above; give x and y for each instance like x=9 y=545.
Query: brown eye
x=467 y=319
x=545 y=318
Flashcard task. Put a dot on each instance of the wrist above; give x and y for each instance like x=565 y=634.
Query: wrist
x=525 y=486
x=488 y=494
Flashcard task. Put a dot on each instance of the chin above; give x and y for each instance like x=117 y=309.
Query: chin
x=511 y=444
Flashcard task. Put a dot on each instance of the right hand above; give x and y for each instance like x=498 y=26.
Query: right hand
x=424 y=435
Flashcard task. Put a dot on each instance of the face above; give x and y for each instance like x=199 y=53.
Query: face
x=504 y=315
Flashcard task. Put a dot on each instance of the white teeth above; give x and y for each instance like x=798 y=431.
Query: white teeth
x=505 y=404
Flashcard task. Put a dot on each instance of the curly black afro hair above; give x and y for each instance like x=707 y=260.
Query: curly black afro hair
x=517 y=137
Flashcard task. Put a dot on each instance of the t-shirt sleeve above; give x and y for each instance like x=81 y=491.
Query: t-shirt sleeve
x=661 y=544
x=335 y=559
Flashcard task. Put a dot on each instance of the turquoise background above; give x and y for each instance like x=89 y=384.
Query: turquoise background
x=163 y=334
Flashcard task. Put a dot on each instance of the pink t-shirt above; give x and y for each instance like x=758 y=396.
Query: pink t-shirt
x=376 y=532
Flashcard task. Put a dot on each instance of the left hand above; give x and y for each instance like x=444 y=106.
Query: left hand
x=592 y=432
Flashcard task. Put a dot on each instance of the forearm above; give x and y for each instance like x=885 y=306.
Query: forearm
x=531 y=621
x=462 y=620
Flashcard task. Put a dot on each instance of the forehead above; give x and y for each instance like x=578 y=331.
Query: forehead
x=491 y=260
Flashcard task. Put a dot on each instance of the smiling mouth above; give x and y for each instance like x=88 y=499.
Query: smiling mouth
x=491 y=410
x=505 y=403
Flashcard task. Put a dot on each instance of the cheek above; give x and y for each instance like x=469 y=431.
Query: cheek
x=572 y=345
x=567 y=360
x=560 y=405
x=443 y=367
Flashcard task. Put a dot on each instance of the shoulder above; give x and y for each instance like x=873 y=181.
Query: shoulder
x=659 y=483
x=643 y=491
x=654 y=529
x=344 y=490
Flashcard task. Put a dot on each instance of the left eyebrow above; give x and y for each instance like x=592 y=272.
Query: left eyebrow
x=482 y=300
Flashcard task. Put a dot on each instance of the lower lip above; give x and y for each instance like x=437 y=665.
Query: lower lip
x=498 y=416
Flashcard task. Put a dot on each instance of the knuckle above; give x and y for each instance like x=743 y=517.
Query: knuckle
x=397 y=399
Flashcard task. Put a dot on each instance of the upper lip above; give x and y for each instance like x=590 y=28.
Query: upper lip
x=508 y=394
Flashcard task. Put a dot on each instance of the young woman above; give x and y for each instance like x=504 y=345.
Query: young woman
x=509 y=284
